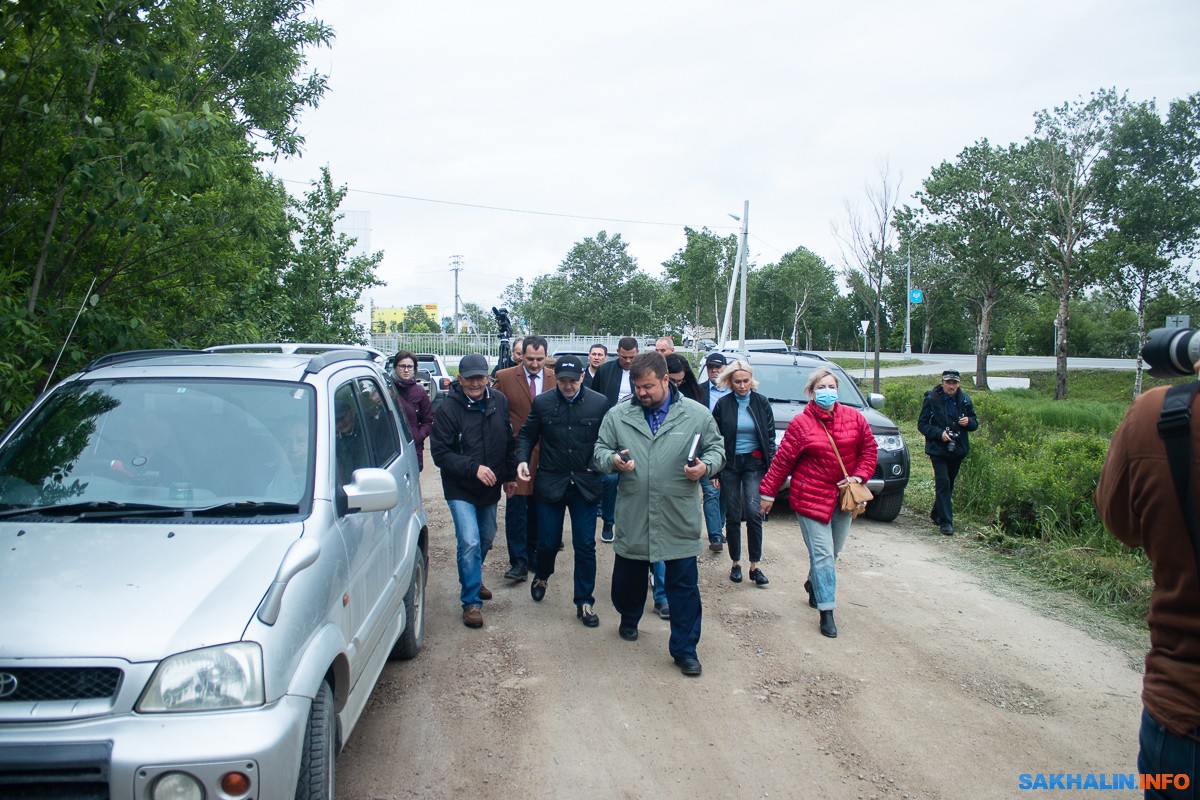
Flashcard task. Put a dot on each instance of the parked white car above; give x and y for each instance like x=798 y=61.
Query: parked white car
x=208 y=558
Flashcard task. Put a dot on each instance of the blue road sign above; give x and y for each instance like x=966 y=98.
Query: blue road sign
x=916 y=296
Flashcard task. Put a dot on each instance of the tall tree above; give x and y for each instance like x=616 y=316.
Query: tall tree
x=792 y=296
x=321 y=290
x=966 y=216
x=1148 y=189
x=866 y=239
x=1056 y=204
x=697 y=278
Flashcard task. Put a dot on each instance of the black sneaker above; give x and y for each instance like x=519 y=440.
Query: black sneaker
x=947 y=529
x=518 y=572
x=587 y=616
x=735 y=574
x=537 y=589
x=757 y=576
x=629 y=634
x=607 y=534
x=662 y=609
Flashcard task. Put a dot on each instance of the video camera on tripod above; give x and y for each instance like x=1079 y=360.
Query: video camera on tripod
x=504 y=326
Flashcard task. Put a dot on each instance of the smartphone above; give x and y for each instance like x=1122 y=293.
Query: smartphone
x=624 y=455
x=691 y=459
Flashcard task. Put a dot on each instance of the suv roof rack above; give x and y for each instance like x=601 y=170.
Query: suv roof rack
x=323 y=360
x=134 y=355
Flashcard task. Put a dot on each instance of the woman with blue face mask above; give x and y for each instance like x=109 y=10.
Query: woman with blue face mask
x=809 y=453
x=747 y=424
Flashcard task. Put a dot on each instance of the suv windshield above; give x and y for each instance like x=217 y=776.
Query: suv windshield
x=785 y=383
x=179 y=444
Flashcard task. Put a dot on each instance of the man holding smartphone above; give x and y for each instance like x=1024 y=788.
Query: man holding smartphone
x=646 y=442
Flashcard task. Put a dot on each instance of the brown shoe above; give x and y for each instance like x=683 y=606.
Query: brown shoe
x=473 y=617
x=484 y=593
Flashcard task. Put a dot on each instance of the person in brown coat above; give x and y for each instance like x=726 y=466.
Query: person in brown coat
x=1137 y=500
x=519 y=385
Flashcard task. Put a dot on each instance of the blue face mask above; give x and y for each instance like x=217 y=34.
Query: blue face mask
x=825 y=397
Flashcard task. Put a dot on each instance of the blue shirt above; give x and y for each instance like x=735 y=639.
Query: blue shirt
x=656 y=416
x=747 y=434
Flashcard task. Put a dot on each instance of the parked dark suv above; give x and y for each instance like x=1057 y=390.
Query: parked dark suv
x=781 y=380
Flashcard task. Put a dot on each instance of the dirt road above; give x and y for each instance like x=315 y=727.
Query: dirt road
x=944 y=682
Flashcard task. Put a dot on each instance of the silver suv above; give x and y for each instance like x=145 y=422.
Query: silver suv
x=208 y=560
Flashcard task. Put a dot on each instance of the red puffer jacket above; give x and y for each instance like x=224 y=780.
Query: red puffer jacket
x=806 y=454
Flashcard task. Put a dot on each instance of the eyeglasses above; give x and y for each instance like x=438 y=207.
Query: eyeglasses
x=676 y=381
x=406 y=367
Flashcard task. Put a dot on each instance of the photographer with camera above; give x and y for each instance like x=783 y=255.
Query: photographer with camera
x=947 y=417
x=1147 y=498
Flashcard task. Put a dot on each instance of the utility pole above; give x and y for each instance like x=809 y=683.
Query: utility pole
x=456 y=267
x=745 y=249
x=908 y=307
x=738 y=272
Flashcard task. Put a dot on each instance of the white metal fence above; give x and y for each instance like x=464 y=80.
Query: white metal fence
x=455 y=346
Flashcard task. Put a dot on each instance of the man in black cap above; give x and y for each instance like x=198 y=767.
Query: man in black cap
x=473 y=445
x=565 y=422
x=947 y=417
x=710 y=393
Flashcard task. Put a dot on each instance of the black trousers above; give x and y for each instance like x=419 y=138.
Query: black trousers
x=945 y=470
x=683 y=595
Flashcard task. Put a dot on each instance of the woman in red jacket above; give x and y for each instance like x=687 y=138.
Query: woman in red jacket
x=808 y=456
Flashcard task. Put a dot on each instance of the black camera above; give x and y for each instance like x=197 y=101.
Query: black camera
x=1172 y=351
x=952 y=441
x=504 y=359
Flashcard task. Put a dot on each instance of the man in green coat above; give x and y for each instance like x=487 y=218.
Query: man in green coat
x=646 y=441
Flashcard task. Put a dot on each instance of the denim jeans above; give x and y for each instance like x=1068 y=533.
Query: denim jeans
x=825 y=541
x=606 y=506
x=583 y=541
x=658 y=578
x=945 y=470
x=1162 y=752
x=714 y=517
x=520 y=530
x=683 y=592
x=740 y=498
x=475 y=530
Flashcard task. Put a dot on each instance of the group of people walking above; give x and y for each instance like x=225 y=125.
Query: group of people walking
x=660 y=459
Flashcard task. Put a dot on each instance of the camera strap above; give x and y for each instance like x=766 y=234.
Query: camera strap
x=1175 y=429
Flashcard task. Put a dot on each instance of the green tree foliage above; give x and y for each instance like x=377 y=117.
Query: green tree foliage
x=322 y=284
x=792 y=299
x=1148 y=185
x=697 y=278
x=129 y=136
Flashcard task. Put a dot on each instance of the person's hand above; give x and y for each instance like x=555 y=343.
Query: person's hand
x=716 y=483
x=621 y=465
x=523 y=471
x=509 y=488
x=764 y=506
x=695 y=472
x=485 y=476
x=945 y=436
x=964 y=421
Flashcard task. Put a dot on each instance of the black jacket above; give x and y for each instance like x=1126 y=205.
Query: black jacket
x=567 y=432
x=934 y=420
x=608 y=381
x=726 y=413
x=467 y=434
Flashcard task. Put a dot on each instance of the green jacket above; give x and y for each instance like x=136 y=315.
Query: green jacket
x=659 y=514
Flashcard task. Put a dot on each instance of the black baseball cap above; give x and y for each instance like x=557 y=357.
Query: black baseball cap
x=715 y=360
x=951 y=375
x=472 y=366
x=567 y=366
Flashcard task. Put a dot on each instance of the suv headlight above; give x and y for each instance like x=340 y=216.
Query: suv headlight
x=215 y=678
x=889 y=441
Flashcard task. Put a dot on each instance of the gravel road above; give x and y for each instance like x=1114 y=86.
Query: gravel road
x=947 y=680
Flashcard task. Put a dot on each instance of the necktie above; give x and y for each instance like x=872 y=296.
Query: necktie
x=533 y=386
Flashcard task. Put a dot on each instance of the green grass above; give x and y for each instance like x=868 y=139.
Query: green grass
x=1025 y=491
x=851 y=364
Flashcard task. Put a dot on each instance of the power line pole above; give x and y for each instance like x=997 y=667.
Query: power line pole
x=908 y=307
x=456 y=267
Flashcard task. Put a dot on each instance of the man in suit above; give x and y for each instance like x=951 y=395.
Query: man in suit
x=612 y=380
x=519 y=385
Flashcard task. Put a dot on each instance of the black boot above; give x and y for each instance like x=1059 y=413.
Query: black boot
x=812 y=601
x=827 y=626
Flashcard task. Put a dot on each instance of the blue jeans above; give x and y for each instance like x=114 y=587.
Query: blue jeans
x=825 y=541
x=683 y=591
x=740 y=498
x=658 y=575
x=1162 y=752
x=583 y=541
x=520 y=530
x=475 y=530
x=607 y=505
x=714 y=517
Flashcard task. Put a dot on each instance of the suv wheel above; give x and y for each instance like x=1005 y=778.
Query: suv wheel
x=885 y=508
x=318 y=759
x=413 y=637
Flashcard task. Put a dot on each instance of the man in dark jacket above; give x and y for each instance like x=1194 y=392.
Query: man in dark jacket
x=947 y=418
x=565 y=422
x=1136 y=497
x=473 y=445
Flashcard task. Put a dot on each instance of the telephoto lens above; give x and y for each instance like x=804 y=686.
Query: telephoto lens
x=1172 y=352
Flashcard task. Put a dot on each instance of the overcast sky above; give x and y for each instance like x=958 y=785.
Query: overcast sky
x=641 y=117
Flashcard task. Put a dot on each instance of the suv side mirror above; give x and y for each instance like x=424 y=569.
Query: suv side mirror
x=370 y=489
x=875 y=399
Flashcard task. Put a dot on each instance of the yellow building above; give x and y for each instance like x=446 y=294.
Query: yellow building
x=389 y=319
